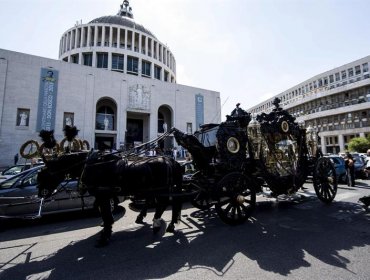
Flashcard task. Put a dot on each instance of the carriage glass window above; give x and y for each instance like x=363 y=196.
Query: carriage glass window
x=208 y=138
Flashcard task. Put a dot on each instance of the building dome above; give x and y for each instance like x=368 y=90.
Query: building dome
x=123 y=21
x=119 y=44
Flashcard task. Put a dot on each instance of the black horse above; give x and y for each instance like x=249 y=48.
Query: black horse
x=107 y=175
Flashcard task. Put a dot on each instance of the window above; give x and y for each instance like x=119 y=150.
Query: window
x=74 y=58
x=365 y=67
x=344 y=74
x=350 y=72
x=145 y=68
x=117 y=62
x=68 y=119
x=166 y=76
x=189 y=128
x=87 y=59
x=132 y=65
x=331 y=78
x=357 y=70
x=161 y=124
x=337 y=77
x=157 y=72
x=23 y=117
x=102 y=60
x=104 y=118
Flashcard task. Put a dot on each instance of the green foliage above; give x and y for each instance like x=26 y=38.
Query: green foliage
x=359 y=144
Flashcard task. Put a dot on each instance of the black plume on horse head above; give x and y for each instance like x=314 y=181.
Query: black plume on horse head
x=70 y=132
x=48 y=138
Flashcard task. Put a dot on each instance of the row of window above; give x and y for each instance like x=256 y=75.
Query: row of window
x=351 y=75
x=105 y=120
x=330 y=102
x=120 y=38
x=118 y=65
x=355 y=119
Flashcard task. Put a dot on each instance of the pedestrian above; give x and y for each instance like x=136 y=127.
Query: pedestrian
x=174 y=152
x=16 y=157
x=350 y=168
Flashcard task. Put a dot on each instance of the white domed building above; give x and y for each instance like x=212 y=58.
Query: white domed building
x=114 y=80
x=119 y=44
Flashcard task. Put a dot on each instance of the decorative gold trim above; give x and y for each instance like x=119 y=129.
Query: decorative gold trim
x=284 y=126
x=235 y=144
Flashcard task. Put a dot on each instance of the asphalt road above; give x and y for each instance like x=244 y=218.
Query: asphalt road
x=296 y=238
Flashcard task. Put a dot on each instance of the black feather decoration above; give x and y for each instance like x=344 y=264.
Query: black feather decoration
x=48 y=138
x=70 y=132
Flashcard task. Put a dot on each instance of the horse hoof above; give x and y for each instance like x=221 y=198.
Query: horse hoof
x=102 y=241
x=139 y=220
x=170 y=228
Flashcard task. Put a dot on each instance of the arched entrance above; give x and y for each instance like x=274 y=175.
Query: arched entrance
x=106 y=124
x=165 y=122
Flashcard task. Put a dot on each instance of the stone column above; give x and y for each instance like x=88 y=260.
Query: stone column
x=341 y=143
x=323 y=145
x=118 y=37
x=110 y=36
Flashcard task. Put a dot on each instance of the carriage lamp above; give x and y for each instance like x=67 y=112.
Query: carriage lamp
x=311 y=140
x=254 y=134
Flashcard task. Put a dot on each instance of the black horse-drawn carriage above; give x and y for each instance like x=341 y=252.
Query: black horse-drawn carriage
x=236 y=158
x=233 y=160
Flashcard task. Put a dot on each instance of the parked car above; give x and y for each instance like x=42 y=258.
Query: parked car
x=340 y=168
x=16 y=169
x=360 y=167
x=18 y=197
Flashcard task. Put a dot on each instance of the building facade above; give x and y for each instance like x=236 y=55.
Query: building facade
x=112 y=109
x=335 y=103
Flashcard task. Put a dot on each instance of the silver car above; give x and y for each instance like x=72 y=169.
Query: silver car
x=18 y=197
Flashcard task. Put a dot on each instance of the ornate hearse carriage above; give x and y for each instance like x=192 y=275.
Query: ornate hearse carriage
x=238 y=157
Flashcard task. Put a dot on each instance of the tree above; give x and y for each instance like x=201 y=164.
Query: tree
x=359 y=144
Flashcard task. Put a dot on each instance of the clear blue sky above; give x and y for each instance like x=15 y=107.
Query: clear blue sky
x=248 y=50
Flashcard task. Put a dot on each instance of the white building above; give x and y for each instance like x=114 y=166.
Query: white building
x=133 y=103
x=336 y=103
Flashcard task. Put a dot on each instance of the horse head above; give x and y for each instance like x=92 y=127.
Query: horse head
x=59 y=168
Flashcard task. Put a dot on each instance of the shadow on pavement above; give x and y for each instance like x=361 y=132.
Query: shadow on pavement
x=278 y=238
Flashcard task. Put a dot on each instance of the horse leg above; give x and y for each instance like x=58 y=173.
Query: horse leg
x=142 y=214
x=107 y=217
x=176 y=212
x=160 y=207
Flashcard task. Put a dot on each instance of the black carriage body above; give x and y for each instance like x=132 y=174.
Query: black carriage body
x=270 y=149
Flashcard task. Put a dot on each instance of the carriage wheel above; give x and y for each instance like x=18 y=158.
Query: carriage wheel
x=237 y=198
x=325 y=180
x=202 y=201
